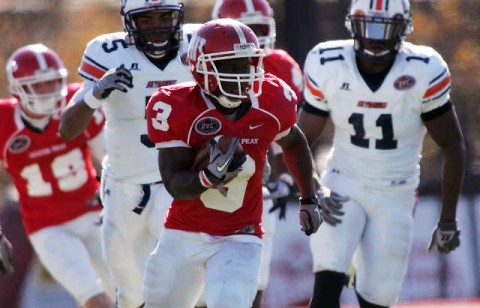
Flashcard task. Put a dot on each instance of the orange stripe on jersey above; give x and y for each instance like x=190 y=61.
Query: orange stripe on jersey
x=92 y=70
x=439 y=86
x=316 y=92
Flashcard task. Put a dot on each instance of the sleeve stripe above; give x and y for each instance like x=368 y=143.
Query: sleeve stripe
x=439 y=95
x=89 y=69
x=309 y=83
x=438 y=77
x=438 y=87
x=95 y=63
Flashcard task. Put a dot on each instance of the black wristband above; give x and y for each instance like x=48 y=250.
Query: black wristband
x=311 y=200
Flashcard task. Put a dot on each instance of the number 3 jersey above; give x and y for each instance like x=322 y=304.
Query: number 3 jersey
x=378 y=134
x=182 y=116
x=55 y=179
x=131 y=156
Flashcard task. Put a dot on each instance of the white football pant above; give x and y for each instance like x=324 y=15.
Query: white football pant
x=378 y=228
x=128 y=237
x=72 y=254
x=184 y=263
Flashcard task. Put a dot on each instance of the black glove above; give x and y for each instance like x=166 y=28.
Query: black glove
x=445 y=237
x=331 y=206
x=117 y=79
x=310 y=218
x=6 y=255
x=279 y=192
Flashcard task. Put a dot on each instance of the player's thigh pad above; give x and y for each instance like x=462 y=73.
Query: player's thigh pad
x=382 y=256
x=333 y=247
x=157 y=208
x=64 y=255
x=232 y=275
x=127 y=240
x=174 y=275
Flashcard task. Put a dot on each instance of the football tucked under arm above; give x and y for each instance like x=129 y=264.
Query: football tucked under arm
x=219 y=161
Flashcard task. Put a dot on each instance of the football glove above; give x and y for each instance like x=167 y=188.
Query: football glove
x=6 y=255
x=118 y=79
x=445 y=237
x=310 y=217
x=279 y=192
x=223 y=166
x=331 y=205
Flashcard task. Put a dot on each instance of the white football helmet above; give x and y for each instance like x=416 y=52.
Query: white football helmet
x=33 y=64
x=140 y=38
x=226 y=39
x=379 y=20
x=257 y=14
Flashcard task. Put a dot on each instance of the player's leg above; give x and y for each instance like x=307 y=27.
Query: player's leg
x=268 y=224
x=91 y=234
x=175 y=270
x=382 y=256
x=126 y=240
x=231 y=279
x=64 y=255
x=157 y=208
x=333 y=247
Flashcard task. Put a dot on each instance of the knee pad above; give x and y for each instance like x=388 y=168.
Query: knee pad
x=159 y=278
x=327 y=289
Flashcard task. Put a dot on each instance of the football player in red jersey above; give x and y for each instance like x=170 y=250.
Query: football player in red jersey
x=213 y=240
x=258 y=15
x=55 y=179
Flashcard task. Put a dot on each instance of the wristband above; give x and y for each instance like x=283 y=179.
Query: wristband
x=91 y=101
x=311 y=200
x=204 y=180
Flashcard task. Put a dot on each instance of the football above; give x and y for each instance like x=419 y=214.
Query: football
x=202 y=157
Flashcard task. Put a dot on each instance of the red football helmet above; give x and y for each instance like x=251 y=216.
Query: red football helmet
x=226 y=39
x=33 y=64
x=256 y=14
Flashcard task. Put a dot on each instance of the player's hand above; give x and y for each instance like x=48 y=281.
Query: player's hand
x=224 y=166
x=279 y=192
x=118 y=79
x=6 y=255
x=445 y=237
x=331 y=205
x=310 y=217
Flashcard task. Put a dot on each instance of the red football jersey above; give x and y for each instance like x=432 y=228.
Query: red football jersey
x=181 y=114
x=279 y=63
x=55 y=178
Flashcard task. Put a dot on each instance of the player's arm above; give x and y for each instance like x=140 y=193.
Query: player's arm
x=298 y=159
x=76 y=116
x=446 y=132
x=175 y=167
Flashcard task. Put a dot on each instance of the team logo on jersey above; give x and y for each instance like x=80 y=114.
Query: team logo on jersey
x=404 y=82
x=208 y=126
x=19 y=144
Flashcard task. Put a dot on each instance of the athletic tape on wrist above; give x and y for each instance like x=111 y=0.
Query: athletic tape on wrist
x=91 y=101
x=204 y=180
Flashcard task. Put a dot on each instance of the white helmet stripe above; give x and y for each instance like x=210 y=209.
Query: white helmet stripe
x=38 y=50
x=249 y=6
x=241 y=35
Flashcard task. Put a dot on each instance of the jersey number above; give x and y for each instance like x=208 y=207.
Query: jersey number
x=68 y=169
x=384 y=121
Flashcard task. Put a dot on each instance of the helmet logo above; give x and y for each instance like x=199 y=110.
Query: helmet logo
x=153 y=2
x=404 y=82
x=208 y=126
x=19 y=144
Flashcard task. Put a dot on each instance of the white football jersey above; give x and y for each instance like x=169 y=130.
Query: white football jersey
x=130 y=154
x=378 y=135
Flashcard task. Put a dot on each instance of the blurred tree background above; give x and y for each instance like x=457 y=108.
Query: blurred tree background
x=452 y=27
